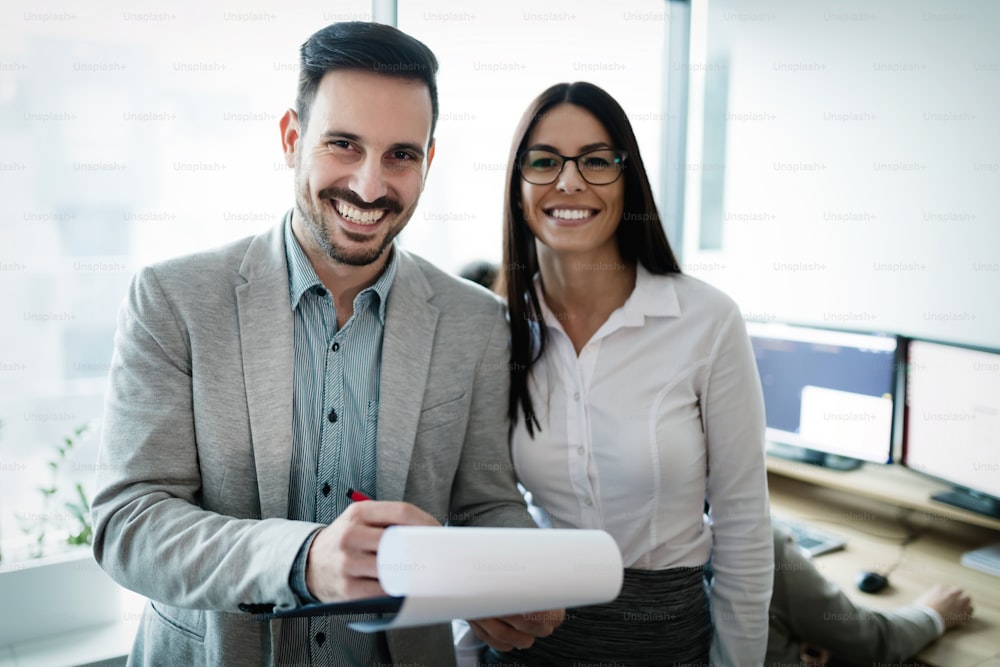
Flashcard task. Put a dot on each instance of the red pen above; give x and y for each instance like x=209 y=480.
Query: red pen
x=356 y=495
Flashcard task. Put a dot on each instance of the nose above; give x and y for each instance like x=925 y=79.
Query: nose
x=570 y=179
x=368 y=180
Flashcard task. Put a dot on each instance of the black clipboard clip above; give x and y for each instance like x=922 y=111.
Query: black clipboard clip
x=383 y=605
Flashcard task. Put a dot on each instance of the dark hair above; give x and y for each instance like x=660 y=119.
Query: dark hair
x=481 y=272
x=640 y=234
x=373 y=47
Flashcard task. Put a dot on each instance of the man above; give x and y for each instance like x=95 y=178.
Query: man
x=254 y=384
x=814 y=623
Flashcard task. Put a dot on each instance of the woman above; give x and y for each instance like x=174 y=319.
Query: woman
x=635 y=400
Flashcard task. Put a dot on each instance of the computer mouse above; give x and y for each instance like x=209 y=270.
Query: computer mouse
x=871 y=582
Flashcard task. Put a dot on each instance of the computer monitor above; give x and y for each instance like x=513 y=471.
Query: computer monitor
x=952 y=421
x=829 y=395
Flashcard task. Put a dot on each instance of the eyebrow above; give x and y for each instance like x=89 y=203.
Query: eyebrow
x=583 y=149
x=330 y=135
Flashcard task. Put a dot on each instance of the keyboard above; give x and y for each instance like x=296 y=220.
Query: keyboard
x=810 y=539
x=986 y=559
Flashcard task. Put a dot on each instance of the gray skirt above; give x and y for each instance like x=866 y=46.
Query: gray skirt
x=662 y=618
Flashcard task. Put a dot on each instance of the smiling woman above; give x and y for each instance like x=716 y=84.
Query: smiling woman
x=563 y=206
x=627 y=379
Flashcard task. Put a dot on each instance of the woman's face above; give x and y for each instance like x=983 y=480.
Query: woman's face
x=571 y=215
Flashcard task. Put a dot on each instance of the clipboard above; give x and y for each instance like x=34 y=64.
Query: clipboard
x=434 y=574
x=383 y=605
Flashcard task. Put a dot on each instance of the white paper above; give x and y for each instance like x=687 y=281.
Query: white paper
x=468 y=573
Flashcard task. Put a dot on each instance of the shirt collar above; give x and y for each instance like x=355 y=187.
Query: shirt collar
x=302 y=276
x=654 y=295
x=382 y=286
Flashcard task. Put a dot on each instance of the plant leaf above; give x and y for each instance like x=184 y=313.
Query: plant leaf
x=83 y=497
x=77 y=512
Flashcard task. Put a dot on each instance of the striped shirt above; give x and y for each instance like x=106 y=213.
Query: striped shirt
x=335 y=401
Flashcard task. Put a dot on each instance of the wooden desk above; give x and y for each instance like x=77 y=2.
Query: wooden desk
x=870 y=508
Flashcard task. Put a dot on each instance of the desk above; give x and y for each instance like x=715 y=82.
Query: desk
x=863 y=508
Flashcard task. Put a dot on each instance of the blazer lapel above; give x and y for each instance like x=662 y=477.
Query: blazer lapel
x=408 y=339
x=266 y=339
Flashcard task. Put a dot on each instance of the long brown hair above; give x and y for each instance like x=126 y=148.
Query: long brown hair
x=640 y=233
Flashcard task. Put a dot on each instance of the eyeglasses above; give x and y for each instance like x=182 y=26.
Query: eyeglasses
x=601 y=166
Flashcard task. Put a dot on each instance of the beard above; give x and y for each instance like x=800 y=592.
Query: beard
x=367 y=248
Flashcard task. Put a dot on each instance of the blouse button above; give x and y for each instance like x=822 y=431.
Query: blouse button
x=576 y=396
x=580 y=450
x=588 y=502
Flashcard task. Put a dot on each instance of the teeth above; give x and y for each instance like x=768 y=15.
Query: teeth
x=357 y=215
x=570 y=213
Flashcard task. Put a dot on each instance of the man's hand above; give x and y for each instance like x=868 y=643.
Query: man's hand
x=954 y=604
x=341 y=562
x=518 y=630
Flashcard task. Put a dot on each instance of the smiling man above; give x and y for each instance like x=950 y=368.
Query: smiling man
x=253 y=385
x=360 y=165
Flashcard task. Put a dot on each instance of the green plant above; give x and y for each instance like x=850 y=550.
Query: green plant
x=80 y=531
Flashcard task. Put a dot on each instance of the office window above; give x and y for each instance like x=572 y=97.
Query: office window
x=130 y=133
x=495 y=58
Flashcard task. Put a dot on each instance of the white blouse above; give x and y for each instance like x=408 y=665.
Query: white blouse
x=661 y=411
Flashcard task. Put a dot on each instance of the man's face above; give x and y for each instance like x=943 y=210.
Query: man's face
x=361 y=163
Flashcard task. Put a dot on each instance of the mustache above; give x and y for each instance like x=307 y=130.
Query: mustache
x=352 y=198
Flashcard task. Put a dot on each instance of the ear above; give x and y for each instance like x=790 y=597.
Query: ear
x=289 y=136
x=427 y=167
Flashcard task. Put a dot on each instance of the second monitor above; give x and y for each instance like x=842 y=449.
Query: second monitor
x=829 y=396
x=953 y=421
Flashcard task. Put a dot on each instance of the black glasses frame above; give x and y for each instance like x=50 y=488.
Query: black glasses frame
x=622 y=155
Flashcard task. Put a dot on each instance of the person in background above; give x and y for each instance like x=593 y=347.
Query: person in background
x=812 y=622
x=634 y=400
x=252 y=385
x=480 y=272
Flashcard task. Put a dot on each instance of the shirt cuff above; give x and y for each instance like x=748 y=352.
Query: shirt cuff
x=936 y=617
x=468 y=646
x=297 y=577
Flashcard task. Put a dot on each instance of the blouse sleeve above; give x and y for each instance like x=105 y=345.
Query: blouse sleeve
x=743 y=551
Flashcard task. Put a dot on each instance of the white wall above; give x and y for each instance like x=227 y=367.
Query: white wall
x=861 y=162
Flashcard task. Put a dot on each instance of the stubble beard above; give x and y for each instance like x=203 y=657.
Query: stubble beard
x=316 y=222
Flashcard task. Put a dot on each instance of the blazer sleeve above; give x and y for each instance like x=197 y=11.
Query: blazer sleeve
x=151 y=534
x=809 y=608
x=742 y=551
x=485 y=490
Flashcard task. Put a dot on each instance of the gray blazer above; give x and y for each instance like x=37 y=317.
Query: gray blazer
x=193 y=470
x=806 y=607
